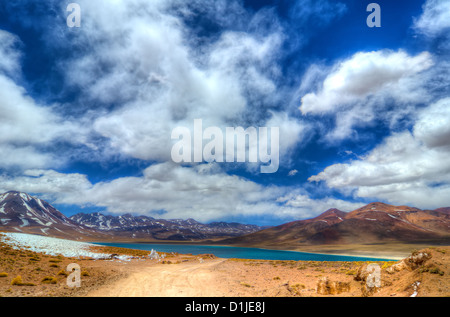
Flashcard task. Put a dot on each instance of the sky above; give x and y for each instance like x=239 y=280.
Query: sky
x=363 y=113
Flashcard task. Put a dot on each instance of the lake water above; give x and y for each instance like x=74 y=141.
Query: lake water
x=240 y=253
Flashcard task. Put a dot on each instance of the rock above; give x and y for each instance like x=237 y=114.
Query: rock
x=417 y=259
x=414 y=261
x=153 y=255
x=370 y=277
x=400 y=266
x=327 y=287
x=361 y=274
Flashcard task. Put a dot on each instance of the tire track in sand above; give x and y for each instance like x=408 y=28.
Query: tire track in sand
x=178 y=280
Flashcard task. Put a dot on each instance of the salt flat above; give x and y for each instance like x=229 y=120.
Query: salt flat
x=53 y=246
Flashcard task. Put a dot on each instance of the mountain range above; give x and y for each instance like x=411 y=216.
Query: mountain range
x=20 y=212
x=143 y=227
x=374 y=223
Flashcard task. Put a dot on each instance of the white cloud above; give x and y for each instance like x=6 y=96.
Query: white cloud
x=51 y=184
x=435 y=18
x=432 y=126
x=203 y=192
x=357 y=89
x=313 y=207
x=407 y=168
x=19 y=157
x=292 y=172
x=363 y=75
x=25 y=126
x=292 y=132
x=9 y=55
x=22 y=120
x=155 y=69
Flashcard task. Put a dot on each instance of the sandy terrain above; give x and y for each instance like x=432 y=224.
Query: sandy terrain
x=424 y=273
x=189 y=277
x=192 y=279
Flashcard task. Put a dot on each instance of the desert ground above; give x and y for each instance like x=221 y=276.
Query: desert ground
x=24 y=273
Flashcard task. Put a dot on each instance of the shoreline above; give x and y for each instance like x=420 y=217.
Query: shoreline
x=354 y=254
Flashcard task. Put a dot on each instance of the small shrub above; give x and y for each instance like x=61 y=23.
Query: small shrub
x=276 y=278
x=17 y=280
x=34 y=259
x=436 y=270
x=84 y=273
x=3 y=274
x=387 y=264
x=49 y=280
x=54 y=265
x=297 y=288
x=62 y=272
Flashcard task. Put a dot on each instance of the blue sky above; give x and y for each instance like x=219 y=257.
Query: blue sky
x=363 y=113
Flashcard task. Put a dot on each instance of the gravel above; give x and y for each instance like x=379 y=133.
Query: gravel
x=53 y=246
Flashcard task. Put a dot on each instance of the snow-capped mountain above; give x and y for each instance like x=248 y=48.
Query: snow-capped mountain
x=162 y=229
x=20 y=212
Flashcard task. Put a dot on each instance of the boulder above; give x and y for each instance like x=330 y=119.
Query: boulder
x=327 y=287
x=414 y=261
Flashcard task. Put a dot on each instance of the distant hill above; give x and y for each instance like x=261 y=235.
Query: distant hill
x=20 y=212
x=373 y=223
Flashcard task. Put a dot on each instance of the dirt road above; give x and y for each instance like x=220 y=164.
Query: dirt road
x=190 y=276
x=188 y=280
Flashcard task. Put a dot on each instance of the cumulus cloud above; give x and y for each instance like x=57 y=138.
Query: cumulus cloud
x=22 y=120
x=363 y=75
x=25 y=126
x=51 y=184
x=432 y=126
x=160 y=75
x=204 y=192
x=435 y=18
x=356 y=89
x=406 y=168
x=152 y=72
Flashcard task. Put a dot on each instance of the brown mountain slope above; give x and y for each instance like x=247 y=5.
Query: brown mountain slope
x=20 y=212
x=373 y=223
